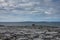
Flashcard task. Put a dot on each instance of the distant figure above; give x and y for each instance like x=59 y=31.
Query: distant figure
x=33 y=24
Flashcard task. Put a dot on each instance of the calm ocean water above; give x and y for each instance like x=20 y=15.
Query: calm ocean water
x=29 y=23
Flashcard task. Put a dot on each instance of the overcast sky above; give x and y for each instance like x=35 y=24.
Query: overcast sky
x=29 y=10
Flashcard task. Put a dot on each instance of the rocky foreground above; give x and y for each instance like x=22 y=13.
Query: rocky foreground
x=38 y=33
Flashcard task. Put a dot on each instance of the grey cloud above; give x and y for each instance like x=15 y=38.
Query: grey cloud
x=32 y=6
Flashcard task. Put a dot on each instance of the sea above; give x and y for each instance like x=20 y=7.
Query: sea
x=57 y=24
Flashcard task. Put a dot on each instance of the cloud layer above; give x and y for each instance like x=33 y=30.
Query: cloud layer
x=29 y=10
